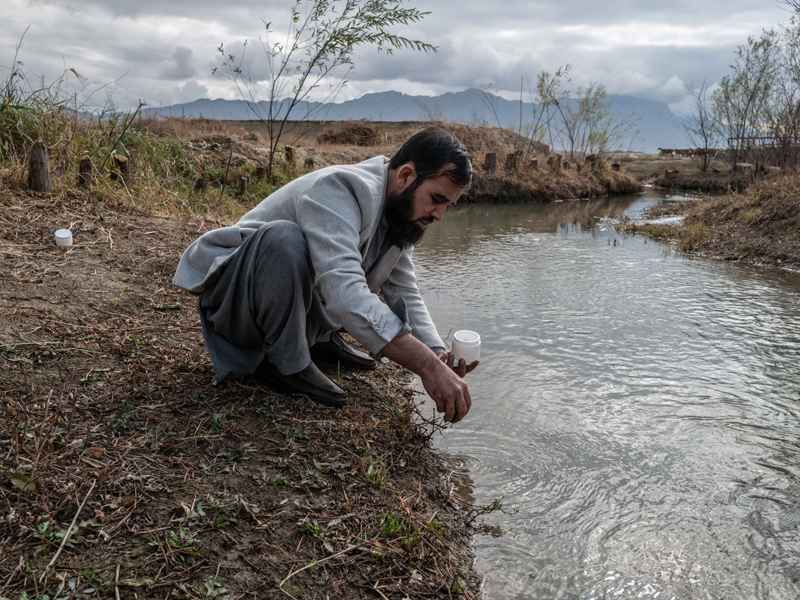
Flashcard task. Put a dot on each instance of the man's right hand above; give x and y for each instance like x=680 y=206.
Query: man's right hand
x=442 y=384
x=449 y=392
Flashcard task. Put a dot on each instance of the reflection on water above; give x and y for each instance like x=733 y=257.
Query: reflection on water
x=640 y=410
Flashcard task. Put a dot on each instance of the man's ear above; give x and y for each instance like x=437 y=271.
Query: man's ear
x=406 y=175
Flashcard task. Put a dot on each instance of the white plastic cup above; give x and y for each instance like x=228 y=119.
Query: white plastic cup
x=63 y=237
x=466 y=345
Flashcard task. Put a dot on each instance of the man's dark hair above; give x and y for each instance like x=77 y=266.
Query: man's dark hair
x=431 y=150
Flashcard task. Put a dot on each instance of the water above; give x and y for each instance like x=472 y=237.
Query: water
x=640 y=410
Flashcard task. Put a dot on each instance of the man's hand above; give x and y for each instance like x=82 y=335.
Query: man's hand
x=460 y=368
x=440 y=380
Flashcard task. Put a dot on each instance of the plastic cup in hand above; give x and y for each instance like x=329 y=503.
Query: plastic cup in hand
x=466 y=345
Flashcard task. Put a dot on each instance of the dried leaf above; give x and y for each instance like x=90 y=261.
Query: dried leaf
x=92 y=462
x=94 y=452
x=23 y=482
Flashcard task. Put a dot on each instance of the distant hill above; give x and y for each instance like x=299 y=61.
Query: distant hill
x=656 y=128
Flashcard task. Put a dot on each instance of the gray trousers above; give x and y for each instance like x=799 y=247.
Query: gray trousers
x=264 y=304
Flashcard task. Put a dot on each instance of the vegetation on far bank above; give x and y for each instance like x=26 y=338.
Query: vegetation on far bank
x=760 y=225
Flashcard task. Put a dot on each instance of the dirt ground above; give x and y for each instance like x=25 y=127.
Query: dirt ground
x=179 y=489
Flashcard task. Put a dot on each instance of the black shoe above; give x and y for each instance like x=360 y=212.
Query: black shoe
x=337 y=350
x=309 y=382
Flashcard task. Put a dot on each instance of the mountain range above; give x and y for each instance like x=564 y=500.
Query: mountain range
x=657 y=125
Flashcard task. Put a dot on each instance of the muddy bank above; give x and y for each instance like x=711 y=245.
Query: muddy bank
x=709 y=182
x=181 y=489
x=760 y=225
x=212 y=142
x=548 y=186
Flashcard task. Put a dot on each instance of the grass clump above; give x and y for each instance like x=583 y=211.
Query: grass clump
x=198 y=173
x=352 y=133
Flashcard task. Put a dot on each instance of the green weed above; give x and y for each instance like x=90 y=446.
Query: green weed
x=124 y=422
x=393 y=526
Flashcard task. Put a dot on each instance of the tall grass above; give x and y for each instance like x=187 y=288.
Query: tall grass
x=165 y=167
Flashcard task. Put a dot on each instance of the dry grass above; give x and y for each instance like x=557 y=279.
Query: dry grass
x=164 y=172
x=709 y=182
x=352 y=133
x=548 y=183
x=183 y=128
x=760 y=225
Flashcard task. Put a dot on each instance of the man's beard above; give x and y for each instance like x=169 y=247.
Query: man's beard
x=402 y=231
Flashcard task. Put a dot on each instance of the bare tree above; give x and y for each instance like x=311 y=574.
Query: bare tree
x=582 y=122
x=320 y=41
x=491 y=101
x=782 y=110
x=740 y=101
x=699 y=124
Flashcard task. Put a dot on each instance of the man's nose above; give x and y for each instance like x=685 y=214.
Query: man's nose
x=438 y=212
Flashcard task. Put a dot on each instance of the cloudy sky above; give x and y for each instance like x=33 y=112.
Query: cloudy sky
x=164 y=52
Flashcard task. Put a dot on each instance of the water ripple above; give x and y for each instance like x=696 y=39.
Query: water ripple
x=639 y=410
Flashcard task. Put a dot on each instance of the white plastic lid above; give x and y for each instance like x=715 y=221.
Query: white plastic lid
x=466 y=337
x=63 y=234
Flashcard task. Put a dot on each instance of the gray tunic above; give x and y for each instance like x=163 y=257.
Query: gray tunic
x=339 y=210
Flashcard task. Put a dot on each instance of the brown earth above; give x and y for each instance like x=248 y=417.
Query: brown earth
x=211 y=141
x=189 y=490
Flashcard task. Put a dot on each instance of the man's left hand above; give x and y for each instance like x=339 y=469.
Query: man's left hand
x=460 y=368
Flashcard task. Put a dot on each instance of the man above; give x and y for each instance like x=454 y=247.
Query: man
x=276 y=288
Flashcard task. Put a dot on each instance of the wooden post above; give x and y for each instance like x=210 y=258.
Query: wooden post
x=201 y=185
x=122 y=167
x=85 y=172
x=490 y=163
x=243 y=185
x=39 y=169
x=511 y=162
x=261 y=173
x=291 y=157
x=534 y=164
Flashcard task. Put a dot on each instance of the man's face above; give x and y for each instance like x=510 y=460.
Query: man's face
x=410 y=210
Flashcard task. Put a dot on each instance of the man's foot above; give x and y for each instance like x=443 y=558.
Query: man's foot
x=337 y=350
x=309 y=382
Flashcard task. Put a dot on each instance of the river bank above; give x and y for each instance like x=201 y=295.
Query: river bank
x=709 y=182
x=210 y=142
x=178 y=488
x=760 y=225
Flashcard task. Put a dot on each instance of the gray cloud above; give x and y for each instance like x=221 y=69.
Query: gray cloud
x=165 y=52
x=191 y=90
x=180 y=66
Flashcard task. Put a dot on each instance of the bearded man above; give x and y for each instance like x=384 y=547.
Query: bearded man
x=276 y=289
